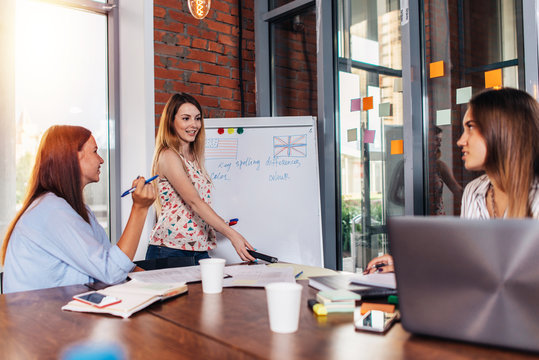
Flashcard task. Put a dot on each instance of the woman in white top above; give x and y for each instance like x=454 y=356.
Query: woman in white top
x=501 y=131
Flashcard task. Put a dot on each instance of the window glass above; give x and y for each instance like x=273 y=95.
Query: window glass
x=60 y=78
x=370 y=128
x=293 y=42
x=467 y=45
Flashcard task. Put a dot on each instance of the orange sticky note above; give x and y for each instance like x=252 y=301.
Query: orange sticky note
x=493 y=78
x=368 y=103
x=436 y=69
x=388 y=308
x=397 y=147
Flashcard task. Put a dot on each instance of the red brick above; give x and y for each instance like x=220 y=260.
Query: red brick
x=218 y=27
x=161 y=97
x=200 y=55
x=215 y=47
x=217 y=91
x=163 y=49
x=199 y=43
x=207 y=101
x=201 y=33
x=203 y=79
x=184 y=18
x=174 y=27
x=229 y=105
x=167 y=73
x=189 y=87
x=226 y=18
x=215 y=70
x=168 y=3
x=186 y=65
x=229 y=83
x=159 y=12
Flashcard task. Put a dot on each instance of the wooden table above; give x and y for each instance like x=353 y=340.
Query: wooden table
x=231 y=325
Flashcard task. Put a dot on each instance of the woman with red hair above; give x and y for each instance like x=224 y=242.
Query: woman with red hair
x=55 y=239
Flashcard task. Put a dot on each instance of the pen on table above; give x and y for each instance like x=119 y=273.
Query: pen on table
x=298 y=274
x=127 y=192
x=316 y=307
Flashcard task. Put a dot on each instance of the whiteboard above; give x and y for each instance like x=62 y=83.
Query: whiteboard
x=265 y=173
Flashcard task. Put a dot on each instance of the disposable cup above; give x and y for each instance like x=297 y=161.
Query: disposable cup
x=283 y=306
x=212 y=271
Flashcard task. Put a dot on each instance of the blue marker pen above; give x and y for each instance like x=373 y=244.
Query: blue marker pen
x=127 y=192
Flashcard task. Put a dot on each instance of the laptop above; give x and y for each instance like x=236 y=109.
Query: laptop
x=469 y=280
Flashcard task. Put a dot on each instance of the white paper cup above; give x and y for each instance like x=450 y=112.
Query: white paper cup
x=212 y=272
x=284 y=300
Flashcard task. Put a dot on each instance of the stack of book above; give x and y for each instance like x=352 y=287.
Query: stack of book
x=338 y=301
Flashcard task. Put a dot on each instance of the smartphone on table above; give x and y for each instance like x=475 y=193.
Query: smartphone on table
x=374 y=320
x=96 y=299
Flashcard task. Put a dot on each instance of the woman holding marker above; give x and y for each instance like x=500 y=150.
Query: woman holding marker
x=186 y=222
x=500 y=134
x=55 y=239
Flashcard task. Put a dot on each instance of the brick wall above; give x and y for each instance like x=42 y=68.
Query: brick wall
x=200 y=57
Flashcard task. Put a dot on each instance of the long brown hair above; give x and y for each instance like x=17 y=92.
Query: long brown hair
x=56 y=170
x=167 y=138
x=508 y=119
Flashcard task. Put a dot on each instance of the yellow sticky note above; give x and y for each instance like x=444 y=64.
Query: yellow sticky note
x=493 y=78
x=368 y=103
x=231 y=130
x=397 y=147
x=436 y=69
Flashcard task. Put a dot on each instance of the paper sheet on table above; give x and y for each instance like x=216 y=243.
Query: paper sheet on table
x=185 y=274
x=306 y=271
x=386 y=280
x=257 y=275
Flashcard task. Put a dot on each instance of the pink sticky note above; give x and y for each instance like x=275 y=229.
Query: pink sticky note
x=368 y=136
x=355 y=105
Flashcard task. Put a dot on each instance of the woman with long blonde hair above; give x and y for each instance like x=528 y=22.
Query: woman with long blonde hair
x=55 y=239
x=186 y=222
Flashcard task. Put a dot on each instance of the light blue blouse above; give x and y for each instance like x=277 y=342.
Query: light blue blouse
x=52 y=245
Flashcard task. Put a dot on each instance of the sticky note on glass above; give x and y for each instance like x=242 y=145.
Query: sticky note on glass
x=355 y=104
x=368 y=103
x=368 y=136
x=397 y=147
x=351 y=135
x=493 y=78
x=443 y=117
x=436 y=69
x=397 y=85
x=384 y=109
x=464 y=95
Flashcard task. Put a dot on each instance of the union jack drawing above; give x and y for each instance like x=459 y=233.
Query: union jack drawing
x=221 y=148
x=290 y=146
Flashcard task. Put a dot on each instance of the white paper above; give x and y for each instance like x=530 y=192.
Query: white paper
x=257 y=275
x=386 y=280
x=179 y=274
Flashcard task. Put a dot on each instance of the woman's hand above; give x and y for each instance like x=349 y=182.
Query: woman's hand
x=241 y=245
x=144 y=194
x=380 y=264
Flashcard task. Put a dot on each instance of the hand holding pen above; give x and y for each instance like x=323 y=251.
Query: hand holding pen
x=380 y=264
x=130 y=191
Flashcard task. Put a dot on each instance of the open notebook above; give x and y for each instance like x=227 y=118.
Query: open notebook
x=135 y=295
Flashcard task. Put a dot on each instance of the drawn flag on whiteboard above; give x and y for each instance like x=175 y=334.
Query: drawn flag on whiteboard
x=217 y=148
x=290 y=146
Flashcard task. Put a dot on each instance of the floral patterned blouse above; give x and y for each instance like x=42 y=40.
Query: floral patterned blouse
x=178 y=226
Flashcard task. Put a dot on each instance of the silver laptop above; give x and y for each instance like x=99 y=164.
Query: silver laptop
x=470 y=280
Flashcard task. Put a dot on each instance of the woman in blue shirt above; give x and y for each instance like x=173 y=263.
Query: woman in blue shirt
x=55 y=239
